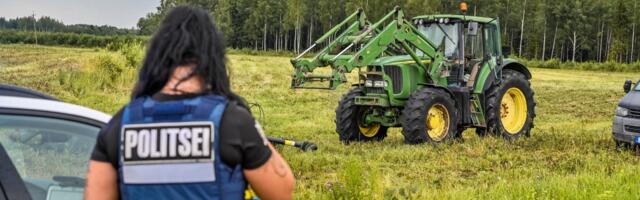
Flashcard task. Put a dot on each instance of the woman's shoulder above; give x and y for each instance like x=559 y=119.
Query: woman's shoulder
x=238 y=113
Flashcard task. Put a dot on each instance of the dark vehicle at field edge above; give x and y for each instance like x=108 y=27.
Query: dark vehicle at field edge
x=626 y=123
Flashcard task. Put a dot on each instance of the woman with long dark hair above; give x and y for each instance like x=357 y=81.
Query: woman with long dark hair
x=185 y=134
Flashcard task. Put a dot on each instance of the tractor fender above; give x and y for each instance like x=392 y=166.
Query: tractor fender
x=507 y=64
x=516 y=66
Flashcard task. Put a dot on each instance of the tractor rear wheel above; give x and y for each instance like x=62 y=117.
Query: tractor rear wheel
x=510 y=107
x=350 y=123
x=429 y=115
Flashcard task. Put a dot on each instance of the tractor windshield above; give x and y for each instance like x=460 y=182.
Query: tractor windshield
x=444 y=35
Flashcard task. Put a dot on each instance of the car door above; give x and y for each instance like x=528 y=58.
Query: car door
x=49 y=152
x=11 y=185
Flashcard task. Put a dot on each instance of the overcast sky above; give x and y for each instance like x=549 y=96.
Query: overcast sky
x=119 y=13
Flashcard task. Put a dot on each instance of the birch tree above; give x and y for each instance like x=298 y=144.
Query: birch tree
x=524 y=11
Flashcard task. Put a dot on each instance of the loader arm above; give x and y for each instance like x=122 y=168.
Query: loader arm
x=364 y=44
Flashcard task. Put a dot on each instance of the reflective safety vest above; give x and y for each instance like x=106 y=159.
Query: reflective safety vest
x=170 y=150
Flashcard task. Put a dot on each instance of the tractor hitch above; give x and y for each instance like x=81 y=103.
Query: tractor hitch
x=299 y=79
x=302 y=145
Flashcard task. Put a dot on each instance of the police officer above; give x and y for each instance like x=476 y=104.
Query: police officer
x=185 y=134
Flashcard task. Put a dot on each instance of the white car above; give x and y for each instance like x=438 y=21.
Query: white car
x=45 y=145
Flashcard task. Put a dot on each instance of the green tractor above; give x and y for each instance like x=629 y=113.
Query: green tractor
x=434 y=76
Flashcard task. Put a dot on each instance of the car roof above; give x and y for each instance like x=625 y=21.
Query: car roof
x=44 y=105
x=15 y=97
x=15 y=91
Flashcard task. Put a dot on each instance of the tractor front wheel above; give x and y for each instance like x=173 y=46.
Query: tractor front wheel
x=510 y=107
x=350 y=120
x=429 y=115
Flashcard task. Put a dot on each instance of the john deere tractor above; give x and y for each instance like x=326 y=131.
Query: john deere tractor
x=434 y=76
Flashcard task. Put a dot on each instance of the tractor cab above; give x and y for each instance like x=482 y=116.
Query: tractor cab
x=467 y=42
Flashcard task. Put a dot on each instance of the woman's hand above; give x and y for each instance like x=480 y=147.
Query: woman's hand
x=102 y=181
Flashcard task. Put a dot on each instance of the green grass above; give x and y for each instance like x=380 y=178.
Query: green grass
x=570 y=154
x=607 y=66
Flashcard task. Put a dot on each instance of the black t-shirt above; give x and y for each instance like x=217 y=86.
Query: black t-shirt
x=241 y=138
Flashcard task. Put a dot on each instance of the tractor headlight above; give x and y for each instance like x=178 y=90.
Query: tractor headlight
x=622 y=112
x=380 y=84
x=368 y=83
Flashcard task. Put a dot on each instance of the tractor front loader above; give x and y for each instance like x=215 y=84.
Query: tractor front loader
x=434 y=76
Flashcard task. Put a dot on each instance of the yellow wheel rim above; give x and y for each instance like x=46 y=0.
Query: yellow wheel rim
x=437 y=122
x=369 y=131
x=513 y=110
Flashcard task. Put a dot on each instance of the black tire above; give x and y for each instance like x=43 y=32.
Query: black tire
x=348 y=116
x=459 y=132
x=495 y=93
x=622 y=145
x=481 y=132
x=414 y=116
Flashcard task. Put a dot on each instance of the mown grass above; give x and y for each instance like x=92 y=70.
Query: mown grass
x=92 y=77
x=606 y=66
x=570 y=154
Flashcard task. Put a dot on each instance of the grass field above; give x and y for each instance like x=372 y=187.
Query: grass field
x=570 y=154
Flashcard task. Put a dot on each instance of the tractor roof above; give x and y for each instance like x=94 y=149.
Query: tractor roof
x=465 y=17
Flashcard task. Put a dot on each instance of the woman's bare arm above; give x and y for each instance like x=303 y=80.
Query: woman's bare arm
x=102 y=182
x=272 y=180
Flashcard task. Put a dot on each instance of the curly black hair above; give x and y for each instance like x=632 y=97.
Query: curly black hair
x=186 y=35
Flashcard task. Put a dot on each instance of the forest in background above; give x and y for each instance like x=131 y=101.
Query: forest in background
x=566 y=30
x=50 y=24
x=584 y=31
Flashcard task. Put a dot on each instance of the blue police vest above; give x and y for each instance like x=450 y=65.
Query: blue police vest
x=170 y=150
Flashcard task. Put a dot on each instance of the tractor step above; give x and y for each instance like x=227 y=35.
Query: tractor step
x=477 y=113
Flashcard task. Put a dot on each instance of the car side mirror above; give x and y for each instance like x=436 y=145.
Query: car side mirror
x=627 y=86
x=37 y=138
x=506 y=50
x=55 y=138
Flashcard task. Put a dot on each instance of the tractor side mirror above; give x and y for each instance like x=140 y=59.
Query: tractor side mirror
x=506 y=50
x=486 y=57
x=627 y=86
x=473 y=29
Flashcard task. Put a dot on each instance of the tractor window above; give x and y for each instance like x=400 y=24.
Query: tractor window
x=491 y=46
x=443 y=35
x=473 y=45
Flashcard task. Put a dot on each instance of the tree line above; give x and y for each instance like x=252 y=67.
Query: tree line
x=566 y=30
x=49 y=24
x=69 y=39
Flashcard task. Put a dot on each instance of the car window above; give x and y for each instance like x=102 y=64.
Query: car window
x=51 y=155
x=638 y=86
